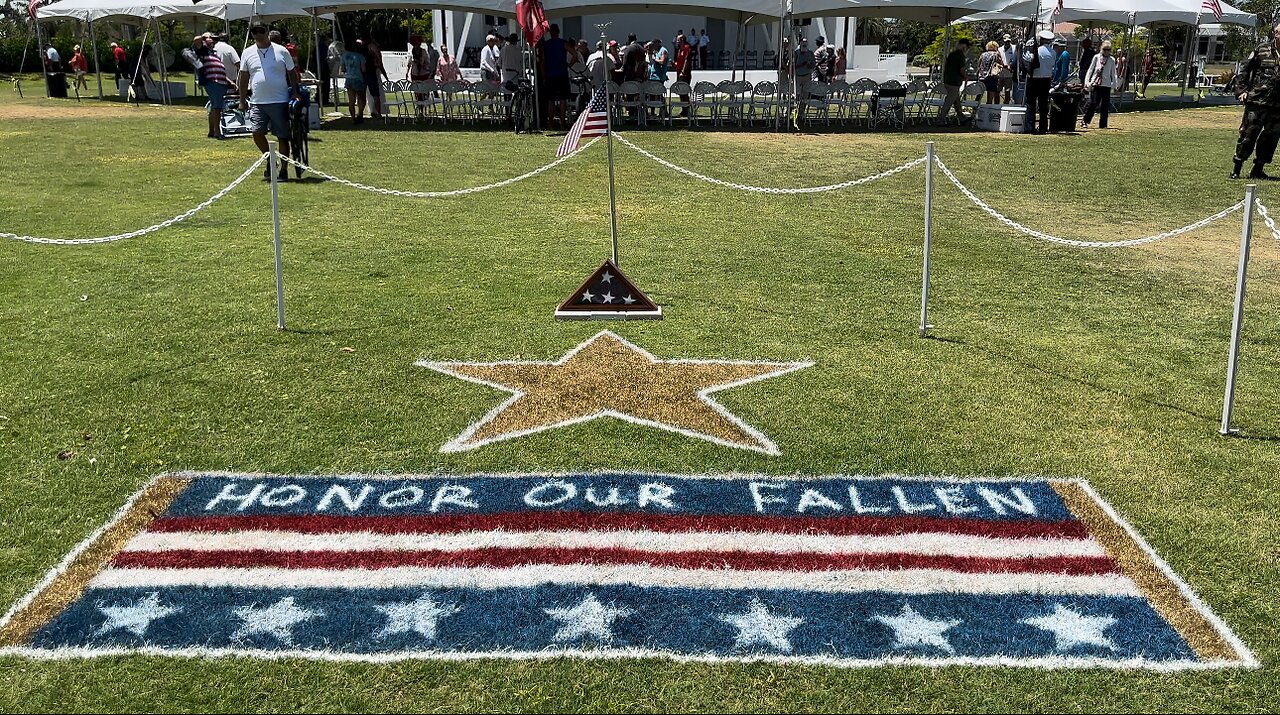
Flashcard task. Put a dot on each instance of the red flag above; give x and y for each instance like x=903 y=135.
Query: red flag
x=532 y=20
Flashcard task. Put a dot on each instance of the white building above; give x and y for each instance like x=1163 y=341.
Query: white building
x=464 y=33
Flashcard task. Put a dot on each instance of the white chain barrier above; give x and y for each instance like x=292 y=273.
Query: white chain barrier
x=1083 y=244
x=149 y=229
x=768 y=189
x=1266 y=216
x=441 y=194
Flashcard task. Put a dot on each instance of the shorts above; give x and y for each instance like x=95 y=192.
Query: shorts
x=217 y=96
x=992 y=83
x=558 y=88
x=272 y=116
x=355 y=84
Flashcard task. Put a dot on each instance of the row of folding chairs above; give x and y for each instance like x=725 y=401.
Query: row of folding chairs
x=458 y=101
x=863 y=102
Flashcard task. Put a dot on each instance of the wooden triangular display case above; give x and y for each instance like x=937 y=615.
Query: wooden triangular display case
x=608 y=295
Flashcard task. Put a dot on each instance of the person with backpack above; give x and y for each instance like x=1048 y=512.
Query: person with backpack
x=1038 y=59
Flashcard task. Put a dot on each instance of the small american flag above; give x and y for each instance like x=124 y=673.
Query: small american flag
x=1214 y=7
x=31 y=8
x=1058 y=10
x=593 y=122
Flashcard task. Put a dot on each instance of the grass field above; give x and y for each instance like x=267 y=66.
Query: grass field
x=161 y=353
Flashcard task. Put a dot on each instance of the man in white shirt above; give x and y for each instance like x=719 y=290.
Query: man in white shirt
x=512 y=58
x=599 y=65
x=1039 y=62
x=490 y=57
x=53 y=59
x=230 y=58
x=268 y=70
x=704 y=50
x=1009 y=53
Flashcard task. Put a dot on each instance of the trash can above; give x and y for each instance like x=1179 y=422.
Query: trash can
x=57 y=84
x=1064 y=110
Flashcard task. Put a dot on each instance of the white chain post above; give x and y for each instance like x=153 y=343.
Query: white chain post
x=275 y=221
x=928 y=239
x=1233 y=353
x=142 y=231
x=1082 y=244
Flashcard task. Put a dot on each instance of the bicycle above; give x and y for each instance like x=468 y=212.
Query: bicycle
x=299 y=129
x=522 y=113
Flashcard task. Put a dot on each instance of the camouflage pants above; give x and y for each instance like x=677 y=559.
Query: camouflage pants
x=1259 y=130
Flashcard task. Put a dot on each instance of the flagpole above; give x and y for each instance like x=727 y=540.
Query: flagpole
x=608 y=118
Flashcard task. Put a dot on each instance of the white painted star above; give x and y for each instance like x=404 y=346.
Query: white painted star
x=588 y=295
x=607 y=277
x=277 y=620
x=137 y=617
x=589 y=618
x=607 y=298
x=1072 y=628
x=628 y=299
x=758 y=625
x=420 y=616
x=912 y=629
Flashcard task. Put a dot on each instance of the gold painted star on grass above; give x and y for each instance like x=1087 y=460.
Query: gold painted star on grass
x=607 y=376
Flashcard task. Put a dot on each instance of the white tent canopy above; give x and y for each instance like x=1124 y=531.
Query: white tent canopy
x=763 y=10
x=1121 y=12
x=97 y=10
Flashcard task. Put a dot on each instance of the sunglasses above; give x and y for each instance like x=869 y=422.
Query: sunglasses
x=259 y=32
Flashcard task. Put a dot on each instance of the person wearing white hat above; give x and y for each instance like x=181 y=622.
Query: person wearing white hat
x=1038 y=61
x=1009 y=55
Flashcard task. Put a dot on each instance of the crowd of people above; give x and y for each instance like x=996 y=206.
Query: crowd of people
x=1044 y=65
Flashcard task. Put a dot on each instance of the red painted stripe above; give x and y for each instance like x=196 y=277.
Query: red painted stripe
x=506 y=558
x=616 y=521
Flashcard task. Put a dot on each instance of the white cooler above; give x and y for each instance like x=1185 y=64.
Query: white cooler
x=1000 y=117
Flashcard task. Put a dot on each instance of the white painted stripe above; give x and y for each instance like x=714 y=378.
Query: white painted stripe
x=609 y=654
x=915 y=581
x=923 y=544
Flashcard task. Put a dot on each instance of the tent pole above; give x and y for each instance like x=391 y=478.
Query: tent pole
x=1193 y=36
x=97 y=69
x=44 y=57
x=315 y=39
x=164 y=75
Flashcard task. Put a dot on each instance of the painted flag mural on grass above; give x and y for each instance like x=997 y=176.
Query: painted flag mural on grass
x=846 y=571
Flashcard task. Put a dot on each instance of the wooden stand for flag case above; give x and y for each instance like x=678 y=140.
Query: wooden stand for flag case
x=608 y=295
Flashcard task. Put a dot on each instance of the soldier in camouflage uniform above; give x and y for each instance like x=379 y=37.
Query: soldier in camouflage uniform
x=1258 y=86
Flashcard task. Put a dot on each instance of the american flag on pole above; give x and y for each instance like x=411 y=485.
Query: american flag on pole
x=31 y=8
x=593 y=122
x=842 y=570
x=1058 y=9
x=1214 y=7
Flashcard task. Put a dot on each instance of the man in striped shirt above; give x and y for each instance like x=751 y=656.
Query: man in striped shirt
x=212 y=76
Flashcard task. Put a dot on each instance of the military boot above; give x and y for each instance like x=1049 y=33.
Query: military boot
x=1236 y=166
x=1258 y=173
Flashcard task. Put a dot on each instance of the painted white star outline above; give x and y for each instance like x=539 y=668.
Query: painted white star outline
x=762 y=443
